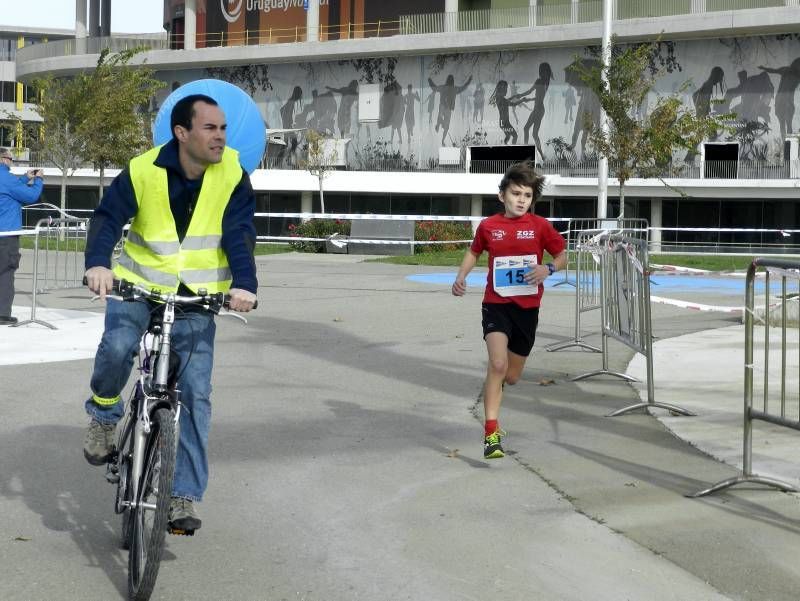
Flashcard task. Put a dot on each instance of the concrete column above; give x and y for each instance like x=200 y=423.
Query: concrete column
x=476 y=209
x=105 y=19
x=698 y=6
x=656 y=212
x=451 y=15
x=532 y=13
x=312 y=21
x=190 y=25
x=80 y=19
x=306 y=198
x=94 y=18
x=574 y=14
x=81 y=31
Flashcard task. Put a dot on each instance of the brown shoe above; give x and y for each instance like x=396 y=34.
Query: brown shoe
x=99 y=442
x=182 y=518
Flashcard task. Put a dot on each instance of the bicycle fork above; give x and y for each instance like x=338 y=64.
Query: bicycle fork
x=142 y=427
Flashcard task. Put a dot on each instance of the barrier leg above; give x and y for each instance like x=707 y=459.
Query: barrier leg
x=648 y=405
x=35 y=286
x=605 y=371
x=753 y=478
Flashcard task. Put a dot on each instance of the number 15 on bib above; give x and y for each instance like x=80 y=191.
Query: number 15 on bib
x=509 y=275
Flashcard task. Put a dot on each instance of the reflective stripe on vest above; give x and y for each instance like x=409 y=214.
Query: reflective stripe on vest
x=152 y=254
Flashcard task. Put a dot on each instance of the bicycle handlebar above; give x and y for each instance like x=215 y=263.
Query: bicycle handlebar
x=128 y=291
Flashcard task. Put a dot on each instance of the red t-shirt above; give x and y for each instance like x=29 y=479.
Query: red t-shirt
x=503 y=236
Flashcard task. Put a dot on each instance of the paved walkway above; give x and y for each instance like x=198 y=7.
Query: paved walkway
x=346 y=457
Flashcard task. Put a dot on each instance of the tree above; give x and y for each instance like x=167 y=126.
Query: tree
x=117 y=127
x=640 y=144
x=62 y=108
x=321 y=157
x=94 y=117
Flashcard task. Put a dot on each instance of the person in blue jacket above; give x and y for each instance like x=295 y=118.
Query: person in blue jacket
x=15 y=191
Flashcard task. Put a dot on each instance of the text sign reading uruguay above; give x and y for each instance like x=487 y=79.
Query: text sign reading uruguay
x=232 y=10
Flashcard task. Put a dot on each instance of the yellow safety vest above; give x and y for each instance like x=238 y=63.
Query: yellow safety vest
x=153 y=255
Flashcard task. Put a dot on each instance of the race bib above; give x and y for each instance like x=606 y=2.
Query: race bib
x=509 y=275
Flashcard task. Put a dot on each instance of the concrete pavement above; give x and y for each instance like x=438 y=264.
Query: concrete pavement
x=346 y=458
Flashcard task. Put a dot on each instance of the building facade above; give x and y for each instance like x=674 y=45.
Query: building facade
x=16 y=98
x=452 y=91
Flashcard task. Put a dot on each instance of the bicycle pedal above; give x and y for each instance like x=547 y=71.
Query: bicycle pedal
x=179 y=531
x=112 y=471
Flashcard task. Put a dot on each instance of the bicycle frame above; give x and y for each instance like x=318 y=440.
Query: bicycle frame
x=151 y=391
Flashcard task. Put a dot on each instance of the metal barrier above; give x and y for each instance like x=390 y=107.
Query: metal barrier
x=57 y=259
x=625 y=309
x=565 y=272
x=785 y=269
x=582 y=244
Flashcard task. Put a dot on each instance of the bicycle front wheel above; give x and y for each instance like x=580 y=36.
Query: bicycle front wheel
x=148 y=525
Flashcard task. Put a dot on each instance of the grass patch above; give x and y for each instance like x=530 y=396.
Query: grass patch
x=453 y=259
x=53 y=243
x=445 y=258
x=710 y=262
x=272 y=249
x=450 y=258
x=72 y=245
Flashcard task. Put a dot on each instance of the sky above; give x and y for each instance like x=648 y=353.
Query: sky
x=127 y=16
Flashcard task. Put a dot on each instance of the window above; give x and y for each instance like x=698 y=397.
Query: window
x=8 y=91
x=30 y=94
x=8 y=49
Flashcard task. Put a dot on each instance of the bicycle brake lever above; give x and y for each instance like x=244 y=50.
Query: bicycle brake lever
x=232 y=314
x=111 y=296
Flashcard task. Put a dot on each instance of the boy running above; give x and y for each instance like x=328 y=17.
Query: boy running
x=516 y=241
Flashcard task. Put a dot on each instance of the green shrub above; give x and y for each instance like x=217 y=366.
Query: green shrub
x=316 y=228
x=438 y=231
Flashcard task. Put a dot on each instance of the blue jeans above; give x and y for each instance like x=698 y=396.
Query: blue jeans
x=192 y=335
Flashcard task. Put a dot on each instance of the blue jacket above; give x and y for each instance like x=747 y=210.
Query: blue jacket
x=119 y=206
x=15 y=192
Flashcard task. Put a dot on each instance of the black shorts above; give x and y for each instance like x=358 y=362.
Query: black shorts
x=518 y=324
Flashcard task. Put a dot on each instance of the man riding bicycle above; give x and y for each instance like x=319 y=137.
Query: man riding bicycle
x=192 y=208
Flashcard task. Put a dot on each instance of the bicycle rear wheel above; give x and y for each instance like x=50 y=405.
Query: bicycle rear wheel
x=148 y=525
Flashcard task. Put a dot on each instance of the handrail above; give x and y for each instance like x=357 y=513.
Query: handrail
x=81 y=46
x=588 y=168
x=540 y=15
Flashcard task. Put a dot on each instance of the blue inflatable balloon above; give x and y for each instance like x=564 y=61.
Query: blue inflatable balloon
x=246 y=130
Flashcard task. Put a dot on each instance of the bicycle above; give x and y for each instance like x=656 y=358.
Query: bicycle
x=142 y=465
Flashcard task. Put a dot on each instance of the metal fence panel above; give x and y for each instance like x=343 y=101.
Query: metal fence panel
x=57 y=259
x=780 y=385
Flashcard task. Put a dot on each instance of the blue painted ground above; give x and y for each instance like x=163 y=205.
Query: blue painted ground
x=659 y=284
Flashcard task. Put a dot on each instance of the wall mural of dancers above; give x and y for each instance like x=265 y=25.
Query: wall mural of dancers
x=529 y=97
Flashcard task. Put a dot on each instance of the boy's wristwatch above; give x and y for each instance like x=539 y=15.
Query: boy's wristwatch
x=551 y=267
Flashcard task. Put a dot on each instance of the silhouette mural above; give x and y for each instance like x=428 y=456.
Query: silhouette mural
x=478 y=100
x=447 y=102
x=503 y=104
x=758 y=80
x=411 y=98
x=784 y=98
x=587 y=105
x=539 y=90
x=344 y=116
x=713 y=85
